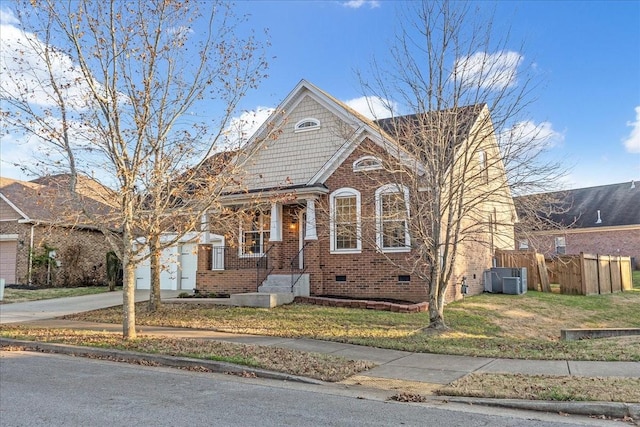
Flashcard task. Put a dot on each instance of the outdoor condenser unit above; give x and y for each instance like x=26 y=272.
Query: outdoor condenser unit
x=505 y=280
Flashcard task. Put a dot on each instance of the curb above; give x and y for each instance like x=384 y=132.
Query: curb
x=609 y=409
x=162 y=360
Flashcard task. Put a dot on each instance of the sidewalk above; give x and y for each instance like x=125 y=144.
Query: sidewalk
x=414 y=372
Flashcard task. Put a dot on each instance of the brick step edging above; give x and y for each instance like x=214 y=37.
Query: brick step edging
x=371 y=305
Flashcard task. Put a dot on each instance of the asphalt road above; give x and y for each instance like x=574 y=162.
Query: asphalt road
x=53 y=390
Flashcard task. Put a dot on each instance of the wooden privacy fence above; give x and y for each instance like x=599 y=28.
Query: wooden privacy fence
x=537 y=277
x=582 y=274
x=587 y=274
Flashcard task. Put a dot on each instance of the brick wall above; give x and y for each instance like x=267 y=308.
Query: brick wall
x=618 y=242
x=82 y=253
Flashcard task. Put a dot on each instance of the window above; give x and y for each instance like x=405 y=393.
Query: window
x=404 y=278
x=367 y=163
x=523 y=244
x=561 y=245
x=255 y=234
x=392 y=210
x=306 y=124
x=345 y=221
x=341 y=278
x=482 y=164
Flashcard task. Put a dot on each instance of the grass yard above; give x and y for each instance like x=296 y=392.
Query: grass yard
x=12 y=295
x=513 y=326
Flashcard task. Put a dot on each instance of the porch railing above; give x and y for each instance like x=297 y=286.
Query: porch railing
x=228 y=258
x=295 y=265
x=263 y=268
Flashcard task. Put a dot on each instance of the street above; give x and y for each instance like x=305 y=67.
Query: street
x=53 y=390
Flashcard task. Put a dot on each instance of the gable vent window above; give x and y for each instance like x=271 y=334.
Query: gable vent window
x=367 y=163
x=404 y=278
x=341 y=278
x=307 y=125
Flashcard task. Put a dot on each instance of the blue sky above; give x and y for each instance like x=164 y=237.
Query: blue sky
x=587 y=54
x=587 y=57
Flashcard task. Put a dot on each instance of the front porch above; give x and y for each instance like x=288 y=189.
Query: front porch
x=276 y=252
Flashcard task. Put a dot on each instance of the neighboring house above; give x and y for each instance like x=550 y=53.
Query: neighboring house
x=44 y=238
x=314 y=207
x=602 y=220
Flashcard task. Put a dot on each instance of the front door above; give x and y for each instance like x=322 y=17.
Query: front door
x=302 y=221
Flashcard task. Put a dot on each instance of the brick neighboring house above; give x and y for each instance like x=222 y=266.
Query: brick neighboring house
x=38 y=219
x=602 y=220
x=311 y=175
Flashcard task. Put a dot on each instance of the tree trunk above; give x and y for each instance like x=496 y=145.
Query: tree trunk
x=129 y=301
x=436 y=313
x=154 y=261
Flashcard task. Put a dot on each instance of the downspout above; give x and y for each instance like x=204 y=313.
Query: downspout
x=30 y=255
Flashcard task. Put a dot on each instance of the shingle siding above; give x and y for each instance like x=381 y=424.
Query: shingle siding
x=293 y=158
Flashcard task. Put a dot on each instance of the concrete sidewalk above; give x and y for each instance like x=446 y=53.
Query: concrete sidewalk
x=392 y=364
x=399 y=370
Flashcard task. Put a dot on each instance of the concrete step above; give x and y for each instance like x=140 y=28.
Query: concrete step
x=281 y=283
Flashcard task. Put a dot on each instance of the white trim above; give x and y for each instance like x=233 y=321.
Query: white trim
x=311 y=232
x=392 y=189
x=275 y=226
x=316 y=125
x=357 y=168
x=8 y=237
x=14 y=207
x=345 y=192
x=241 y=253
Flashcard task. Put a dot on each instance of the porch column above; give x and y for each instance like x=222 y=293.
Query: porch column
x=310 y=224
x=276 y=223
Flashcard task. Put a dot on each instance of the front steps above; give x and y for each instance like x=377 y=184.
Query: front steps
x=281 y=284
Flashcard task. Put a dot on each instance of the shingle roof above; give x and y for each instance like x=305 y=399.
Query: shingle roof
x=51 y=203
x=613 y=205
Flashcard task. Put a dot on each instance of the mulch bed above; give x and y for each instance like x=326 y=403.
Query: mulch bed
x=398 y=307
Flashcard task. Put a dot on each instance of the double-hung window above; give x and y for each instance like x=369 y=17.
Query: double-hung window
x=345 y=220
x=392 y=225
x=255 y=234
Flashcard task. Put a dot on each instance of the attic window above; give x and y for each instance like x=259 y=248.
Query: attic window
x=367 y=163
x=306 y=125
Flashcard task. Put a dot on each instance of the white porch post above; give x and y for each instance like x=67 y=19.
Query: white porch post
x=276 y=223
x=310 y=224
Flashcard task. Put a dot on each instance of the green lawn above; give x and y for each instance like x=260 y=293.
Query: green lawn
x=516 y=326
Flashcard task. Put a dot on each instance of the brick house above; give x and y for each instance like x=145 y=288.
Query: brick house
x=319 y=213
x=602 y=220
x=44 y=239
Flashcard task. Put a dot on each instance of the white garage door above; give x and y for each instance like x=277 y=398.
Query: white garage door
x=8 y=251
x=180 y=264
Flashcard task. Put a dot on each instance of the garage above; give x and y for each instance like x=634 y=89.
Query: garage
x=180 y=263
x=8 y=251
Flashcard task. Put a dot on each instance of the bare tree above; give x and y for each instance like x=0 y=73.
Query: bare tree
x=465 y=149
x=136 y=95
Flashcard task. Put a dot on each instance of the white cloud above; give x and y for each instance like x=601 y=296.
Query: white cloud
x=632 y=142
x=528 y=132
x=7 y=17
x=357 y=4
x=23 y=71
x=494 y=71
x=373 y=107
x=241 y=128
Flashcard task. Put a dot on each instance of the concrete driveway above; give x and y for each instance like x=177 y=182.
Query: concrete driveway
x=49 y=308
